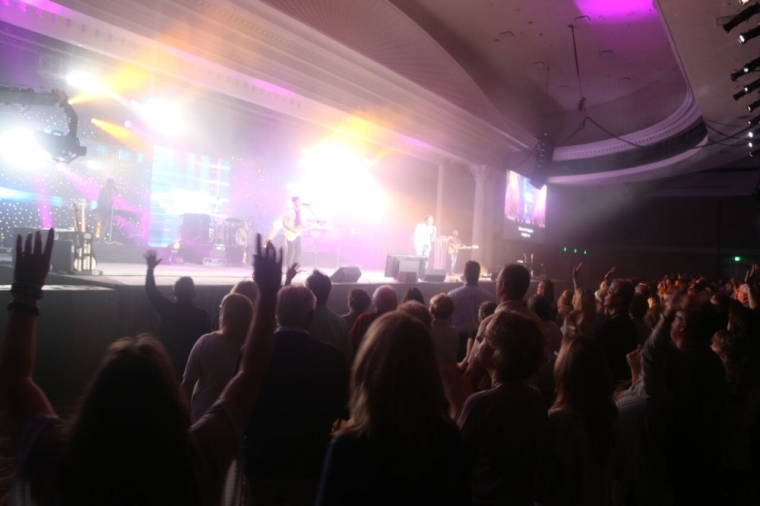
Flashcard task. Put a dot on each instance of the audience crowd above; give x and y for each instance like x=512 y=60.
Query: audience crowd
x=632 y=393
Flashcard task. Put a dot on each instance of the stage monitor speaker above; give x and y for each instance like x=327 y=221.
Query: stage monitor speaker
x=393 y=264
x=408 y=277
x=435 y=275
x=349 y=274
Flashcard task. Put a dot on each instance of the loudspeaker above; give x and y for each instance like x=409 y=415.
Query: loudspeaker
x=393 y=264
x=435 y=275
x=62 y=259
x=349 y=274
x=406 y=277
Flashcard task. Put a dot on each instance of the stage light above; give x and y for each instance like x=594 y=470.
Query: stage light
x=739 y=73
x=754 y=153
x=744 y=2
x=162 y=116
x=743 y=16
x=753 y=133
x=751 y=34
x=564 y=249
x=585 y=252
x=127 y=124
x=754 y=105
x=737 y=259
x=739 y=94
x=752 y=86
x=575 y=250
x=20 y=148
x=749 y=67
x=753 y=121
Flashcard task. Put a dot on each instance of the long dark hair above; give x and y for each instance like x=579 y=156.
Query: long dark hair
x=397 y=399
x=128 y=441
x=585 y=387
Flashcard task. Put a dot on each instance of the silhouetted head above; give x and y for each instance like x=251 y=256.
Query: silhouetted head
x=413 y=293
x=320 y=285
x=385 y=299
x=248 y=288
x=184 y=289
x=358 y=300
x=513 y=282
x=295 y=307
x=417 y=310
x=471 y=271
x=441 y=306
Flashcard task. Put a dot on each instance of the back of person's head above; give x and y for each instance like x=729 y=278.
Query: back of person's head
x=644 y=289
x=540 y=305
x=184 y=289
x=701 y=323
x=514 y=280
x=584 y=301
x=441 y=306
x=358 y=300
x=546 y=288
x=413 y=293
x=639 y=306
x=320 y=285
x=565 y=299
x=741 y=319
x=471 y=271
x=236 y=315
x=295 y=306
x=417 y=310
x=584 y=387
x=248 y=288
x=129 y=430
x=385 y=299
x=396 y=394
x=486 y=309
x=519 y=346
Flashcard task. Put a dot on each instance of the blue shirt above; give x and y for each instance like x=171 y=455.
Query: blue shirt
x=467 y=301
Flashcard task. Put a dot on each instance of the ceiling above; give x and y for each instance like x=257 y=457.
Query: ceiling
x=452 y=79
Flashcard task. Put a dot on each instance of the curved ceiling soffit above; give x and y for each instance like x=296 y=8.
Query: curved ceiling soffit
x=684 y=118
x=75 y=27
x=639 y=173
x=383 y=33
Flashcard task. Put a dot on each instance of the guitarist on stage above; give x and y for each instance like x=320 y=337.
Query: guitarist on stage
x=453 y=247
x=291 y=224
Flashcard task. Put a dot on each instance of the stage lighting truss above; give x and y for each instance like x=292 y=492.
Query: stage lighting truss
x=754 y=105
x=743 y=16
x=751 y=34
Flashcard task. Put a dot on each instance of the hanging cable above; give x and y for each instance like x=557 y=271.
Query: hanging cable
x=582 y=101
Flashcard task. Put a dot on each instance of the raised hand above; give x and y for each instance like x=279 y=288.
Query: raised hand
x=751 y=276
x=32 y=261
x=610 y=273
x=267 y=267
x=292 y=273
x=634 y=362
x=151 y=259
x=577 y=270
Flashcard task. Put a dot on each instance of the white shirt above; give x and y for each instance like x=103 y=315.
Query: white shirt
x=423 y=236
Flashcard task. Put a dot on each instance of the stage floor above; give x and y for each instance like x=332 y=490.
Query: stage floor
x=131 y=274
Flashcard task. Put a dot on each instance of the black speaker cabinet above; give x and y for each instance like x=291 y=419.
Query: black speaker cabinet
x=407 y=277
x=435 y=275
x=348 y=274
x=393 y=264
x=62 y=260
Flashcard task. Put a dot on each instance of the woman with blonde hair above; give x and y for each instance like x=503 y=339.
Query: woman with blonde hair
x=212 y=359
x=400 y=446
x=583 y=421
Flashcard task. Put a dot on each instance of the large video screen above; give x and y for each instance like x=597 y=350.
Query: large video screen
x=524 y=209
x=185 y=183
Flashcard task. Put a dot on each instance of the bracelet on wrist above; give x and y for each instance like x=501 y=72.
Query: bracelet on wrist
x=27 y=289
x=24 y=308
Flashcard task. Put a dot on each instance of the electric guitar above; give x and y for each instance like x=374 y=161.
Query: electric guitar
x=451 y=249
x=293 y=232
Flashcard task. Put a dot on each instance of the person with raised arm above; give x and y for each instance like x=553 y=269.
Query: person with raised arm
x=130 y=441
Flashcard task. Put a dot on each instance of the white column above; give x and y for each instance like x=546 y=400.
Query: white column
x=479 y=210
x=439 y=205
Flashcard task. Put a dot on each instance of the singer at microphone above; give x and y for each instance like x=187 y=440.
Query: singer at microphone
x=106 y=197
x=291 y=228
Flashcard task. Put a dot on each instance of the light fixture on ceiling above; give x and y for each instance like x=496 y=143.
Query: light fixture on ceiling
x=754 y=153
x=753 y=121
x=743 y=16
x=754 y=105
x=749 y=67
x=743 y=2
x=752 y=86
x=753 y=133
x=737 y=74
x=749 y=35
x=739 y=94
